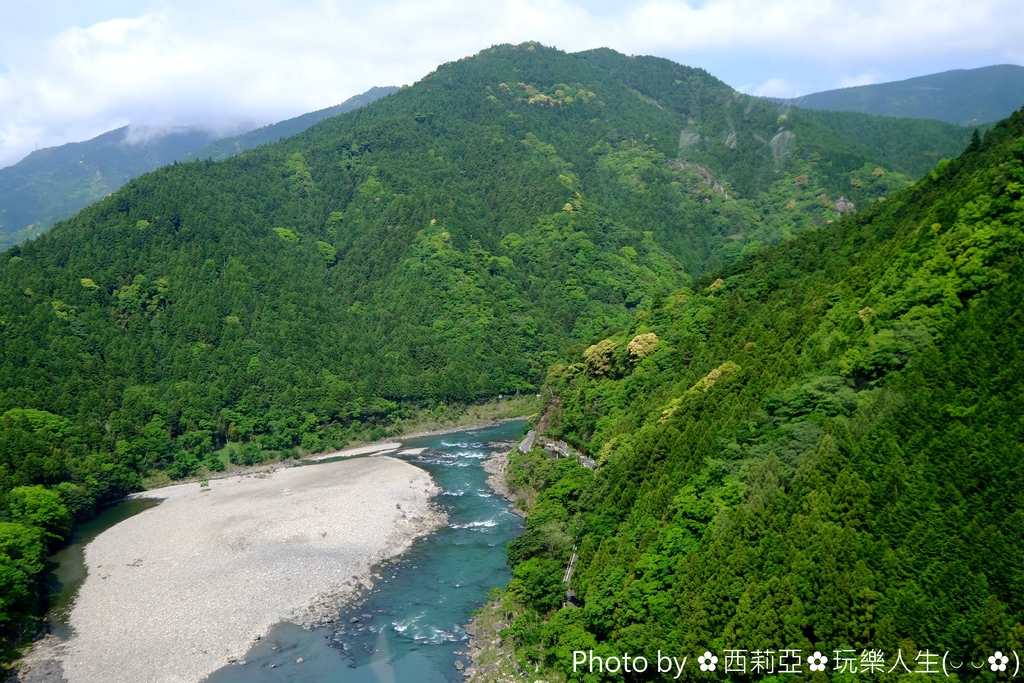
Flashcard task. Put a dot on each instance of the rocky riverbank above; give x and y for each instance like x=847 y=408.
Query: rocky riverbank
x=496 y=467
x=492 y=658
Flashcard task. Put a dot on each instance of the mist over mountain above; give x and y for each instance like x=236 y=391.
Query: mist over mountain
x=53 y=183
x=225 y=147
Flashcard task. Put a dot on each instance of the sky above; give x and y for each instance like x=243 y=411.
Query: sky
x=70 y=70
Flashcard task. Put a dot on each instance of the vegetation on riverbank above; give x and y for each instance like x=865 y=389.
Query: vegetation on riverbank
x=445 y=417
x=492 y=656
x=822 y=449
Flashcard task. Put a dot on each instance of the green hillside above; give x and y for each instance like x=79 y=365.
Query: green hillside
x=818 y=447
x=440 y=246
x=968 y=97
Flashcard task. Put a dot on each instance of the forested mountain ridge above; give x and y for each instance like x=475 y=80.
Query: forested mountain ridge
x=819 y=447
x=968 y=97
x=443 y=244
x=51 y=184
x=565 y=209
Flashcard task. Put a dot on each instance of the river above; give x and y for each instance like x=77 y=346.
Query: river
x=69 y=572
x=409 y=627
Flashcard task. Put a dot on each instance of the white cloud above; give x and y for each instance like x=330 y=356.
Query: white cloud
x=775 y=87
x=854 y=81
x=219 y=62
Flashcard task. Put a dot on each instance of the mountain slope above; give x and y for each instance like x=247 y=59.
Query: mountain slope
x=818 y=448
x=53 y=183
x=967 y=97
x=439 y=244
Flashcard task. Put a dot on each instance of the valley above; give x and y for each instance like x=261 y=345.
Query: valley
x=789 y=340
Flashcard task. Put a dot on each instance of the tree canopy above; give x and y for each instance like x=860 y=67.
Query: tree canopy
x=822 y=451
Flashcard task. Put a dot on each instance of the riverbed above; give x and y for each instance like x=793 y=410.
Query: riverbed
x=181 y=589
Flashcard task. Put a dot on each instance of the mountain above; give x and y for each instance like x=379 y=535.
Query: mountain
x=439 y=246
x=968 y=97
x=230 y=146
x=818 y=447
x=53 y=183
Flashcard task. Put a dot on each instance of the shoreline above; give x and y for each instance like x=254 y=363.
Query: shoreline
x=496 y=468
x=43 y=661
x=186 y=587
x=395 y=443
x=464 y=428
x=359 y=448
x=415 y=435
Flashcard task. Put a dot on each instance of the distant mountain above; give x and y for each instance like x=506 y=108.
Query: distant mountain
x=964 y=96
x=51 y=184
x=230 y=146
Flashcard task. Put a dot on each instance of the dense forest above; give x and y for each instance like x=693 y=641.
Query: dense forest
x=445 y=244
x=817 y=447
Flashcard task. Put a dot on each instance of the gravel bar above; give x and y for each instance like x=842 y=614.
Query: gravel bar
x=184 y=588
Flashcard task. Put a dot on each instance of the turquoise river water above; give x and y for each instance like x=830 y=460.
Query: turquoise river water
x=409 y=628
